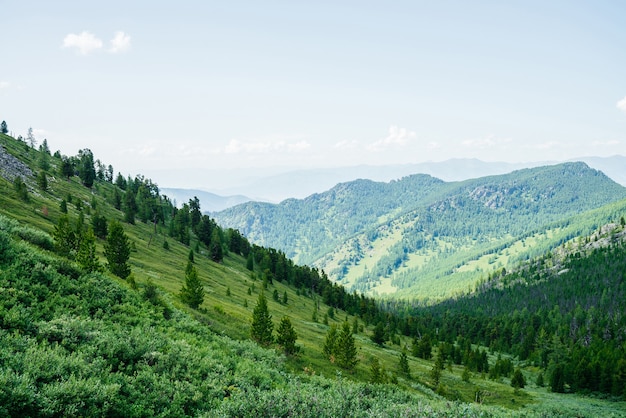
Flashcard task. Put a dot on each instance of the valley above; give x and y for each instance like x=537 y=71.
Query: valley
x=76 y=339
x=406 y=237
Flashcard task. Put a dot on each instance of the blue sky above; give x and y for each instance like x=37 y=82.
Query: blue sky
x=178 y=90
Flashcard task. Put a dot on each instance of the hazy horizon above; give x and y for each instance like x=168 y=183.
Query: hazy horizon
x=240 y=87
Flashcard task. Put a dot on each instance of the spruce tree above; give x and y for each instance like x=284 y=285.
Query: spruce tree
x=64 y=238
x=250 y=262
x=378 y=374
x=117 y=250
x=346 y=348
x=286 y=336
x=330 y=343
x=215 y=248
x=403 y=364
x=518 y=381
x=262 y=326
x=435 y=372
x=378 y=337
x=130 y=207
x=192 y=292
x=86 y=256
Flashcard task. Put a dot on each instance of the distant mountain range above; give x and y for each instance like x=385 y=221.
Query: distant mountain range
x=209 y=202
x=412 y=233
x=302 y=183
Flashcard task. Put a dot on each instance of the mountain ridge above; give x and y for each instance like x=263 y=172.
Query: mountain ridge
x=402 y=217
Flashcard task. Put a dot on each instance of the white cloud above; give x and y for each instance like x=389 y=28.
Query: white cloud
x=397 y=137
x=120 y=43
x=4 y=85
x=608 y=143
x=485 y=143
x=548 y=145
x=236 y=146
x=621 y=105
x=84 y=42
x=346 y=145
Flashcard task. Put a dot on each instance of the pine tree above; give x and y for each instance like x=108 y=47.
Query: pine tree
x=557 y=379
x=378 y=374
x=42 y=181
x=86 y=256
x=403 y=364
x=435 y=372
x=466 y=375
x=540 y=381
x=330 y=343
x=21 y=188
x=130 y=207
x=286 y=336
x=518 y=381
x=192 y=292
x=250 y=262
x=30 y=137
x=117 y=250
x=4 y=128
x=378 y=337
x=86 y=170
x=215 y=248
x=64 y=237
x=346 y=351
x=262 y=326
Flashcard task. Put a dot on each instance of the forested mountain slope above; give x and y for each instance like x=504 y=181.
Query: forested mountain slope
x=410 y=232
x=562 y=312
x=113 y=302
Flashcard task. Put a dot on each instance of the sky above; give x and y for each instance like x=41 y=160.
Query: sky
x=191 y=92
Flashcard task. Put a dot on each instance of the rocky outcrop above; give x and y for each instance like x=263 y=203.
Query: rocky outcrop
x=11 y=167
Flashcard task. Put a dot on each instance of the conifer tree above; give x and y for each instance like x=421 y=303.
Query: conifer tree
x=435 y=372
x=86 y=170
x=262 y=326
x=250 y=262
x=42 y=181
x=518 y=381
x=64 y=237
x=330 y=342
x=130 y=207
x=378 y=374
x=117 y=250
x=215 y=248
x=86 y=256
x=403 y=364
x=286 y=336
x=346 y=351
x=192 y=292
x=378 y=337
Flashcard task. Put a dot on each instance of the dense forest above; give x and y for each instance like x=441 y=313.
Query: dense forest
x=88 y=328
x=414 y=231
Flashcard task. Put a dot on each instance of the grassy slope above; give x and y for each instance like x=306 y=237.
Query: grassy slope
x=365 y=234
x=227 y=314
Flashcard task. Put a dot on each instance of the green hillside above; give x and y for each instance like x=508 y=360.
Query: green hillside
x=76 y=340
x=406 y=237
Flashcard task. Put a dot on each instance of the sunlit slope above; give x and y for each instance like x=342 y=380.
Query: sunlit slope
x=399 y=237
